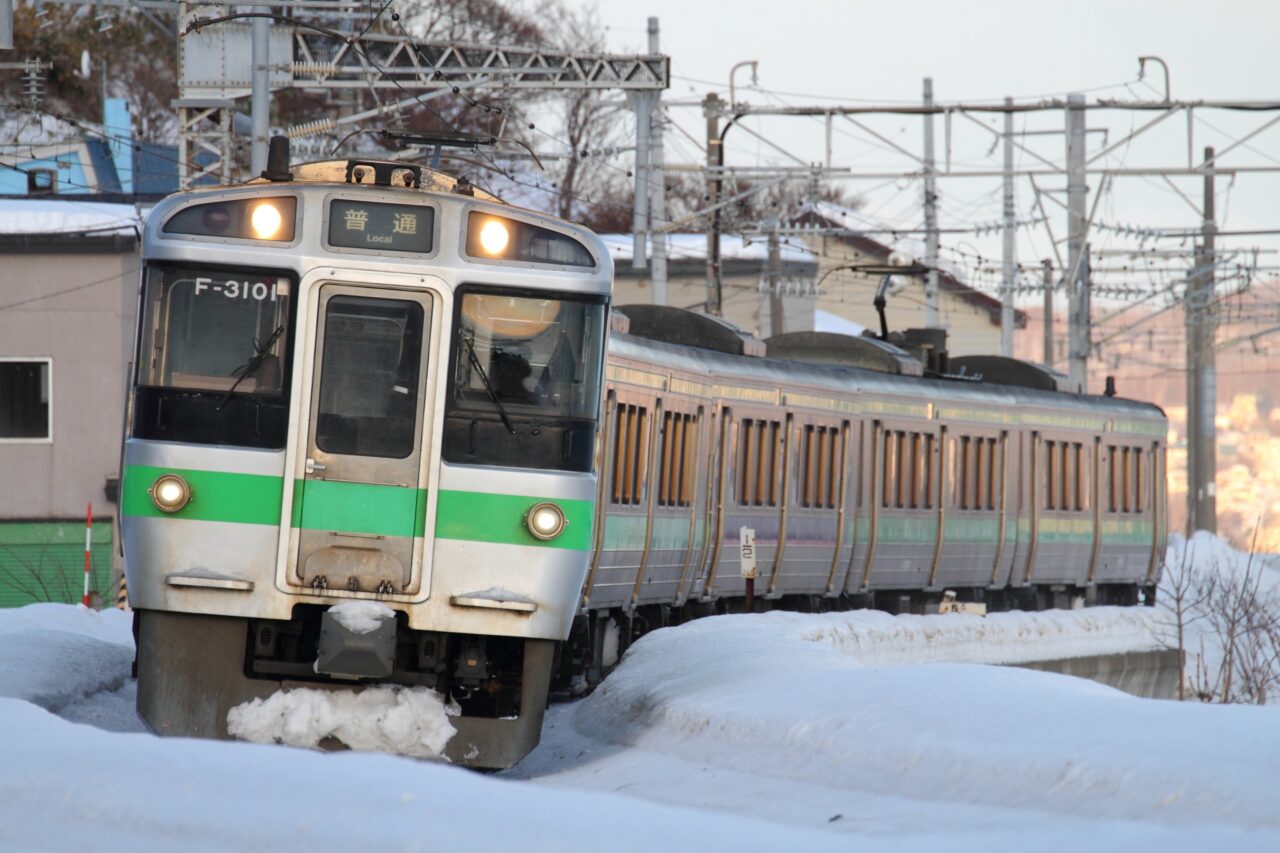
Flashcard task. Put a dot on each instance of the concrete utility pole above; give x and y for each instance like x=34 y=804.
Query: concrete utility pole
x=642 y=103
x=1076 y=278
x=931 y=314
x=1047 y=264
x=777 y=318
x=6 y=24
x=1202 y=380
x=712 y=107
x=260 y=109
x=1006 y=281
x=657 y=190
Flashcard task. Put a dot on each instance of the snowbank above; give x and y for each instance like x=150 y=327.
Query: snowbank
x=405 y=721
x=766 y=695
x=56 y=654
x=876 y=638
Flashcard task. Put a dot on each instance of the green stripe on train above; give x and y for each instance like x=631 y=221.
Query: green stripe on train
x=355 y=507
x=483 y=517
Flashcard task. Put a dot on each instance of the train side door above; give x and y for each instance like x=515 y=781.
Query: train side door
x=358 y=509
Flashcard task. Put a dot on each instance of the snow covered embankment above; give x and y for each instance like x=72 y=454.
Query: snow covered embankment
x=807 y=698
x=55 y=655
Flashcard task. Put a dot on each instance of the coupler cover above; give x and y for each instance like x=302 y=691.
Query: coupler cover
x=345 y=653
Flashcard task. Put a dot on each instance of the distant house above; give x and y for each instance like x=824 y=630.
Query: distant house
x=89 y=160
x=971 y=317
x=743 y=266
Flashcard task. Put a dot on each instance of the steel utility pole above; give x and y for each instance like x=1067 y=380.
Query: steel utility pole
x=931 y=315
x=1007 y=273
x=1076 y=281
x=657 y=190
x=712 y=107
x=1047 y=264
x=1202 y=387
x=777 y=318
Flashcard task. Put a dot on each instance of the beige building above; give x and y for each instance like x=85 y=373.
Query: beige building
x=743 y=264
x=68 y=290
x=818 y=294
x=971 y=318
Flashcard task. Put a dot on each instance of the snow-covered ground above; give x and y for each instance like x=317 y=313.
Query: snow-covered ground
x=759 y=732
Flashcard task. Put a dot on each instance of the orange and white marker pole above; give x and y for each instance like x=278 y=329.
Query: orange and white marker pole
x=88 y=549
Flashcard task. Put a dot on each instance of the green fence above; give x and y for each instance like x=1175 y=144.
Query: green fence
x=44 y=561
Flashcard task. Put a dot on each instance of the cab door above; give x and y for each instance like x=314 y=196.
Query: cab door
x=358 y=505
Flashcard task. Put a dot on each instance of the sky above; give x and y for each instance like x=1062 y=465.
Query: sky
x=814 y=52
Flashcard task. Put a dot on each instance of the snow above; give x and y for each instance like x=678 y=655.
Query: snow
x=825 y=321
x=405 y=721
x=694 y=246
x=46 y=216
x=874 y=638
x=361 y=617
x=753 y=732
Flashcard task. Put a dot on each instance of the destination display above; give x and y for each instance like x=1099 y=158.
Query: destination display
x=372 y=225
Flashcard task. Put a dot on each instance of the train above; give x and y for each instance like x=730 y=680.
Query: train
x=365 y=380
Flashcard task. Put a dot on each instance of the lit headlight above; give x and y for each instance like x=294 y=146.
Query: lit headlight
x=494 y=237
x=266 y=221
x=545 y=521
x=170 y=493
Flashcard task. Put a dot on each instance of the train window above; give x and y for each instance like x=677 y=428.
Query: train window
x=1111 y=478
x=927 y=477
x=1050 y=501
x=902 y=473
x=962 y=456
x=1067 y=480
x=819 y=467
x=991 y=473
x=368 y=400
x=1126 y=483
x=1077 y=454
x=758 y=462
x=676 y=460
x=524 y=379
x=630 y=443
x=213 y=367
x=979 y=473
x=917 y=468
x=890 y=466
x=1137 y=479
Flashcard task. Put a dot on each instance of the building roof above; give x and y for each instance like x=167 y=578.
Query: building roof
x=828 y=215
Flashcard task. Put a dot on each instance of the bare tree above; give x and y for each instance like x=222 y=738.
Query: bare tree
x=1182 y=599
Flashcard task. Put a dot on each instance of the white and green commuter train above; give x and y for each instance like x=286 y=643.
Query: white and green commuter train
x=364 y=381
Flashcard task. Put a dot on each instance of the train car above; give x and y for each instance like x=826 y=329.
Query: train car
x=364 y=381
x=360 y=381
x=859 y=480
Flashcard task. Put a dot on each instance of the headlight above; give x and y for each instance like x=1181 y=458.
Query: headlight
x=545 y=521
x=266 y=221
x=494 y=237
x=170 y=493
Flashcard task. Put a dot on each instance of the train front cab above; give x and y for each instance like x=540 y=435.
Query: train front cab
x=348 y=434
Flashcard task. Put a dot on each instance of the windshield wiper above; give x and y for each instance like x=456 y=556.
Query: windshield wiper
x=260 y=354
x=484 y=377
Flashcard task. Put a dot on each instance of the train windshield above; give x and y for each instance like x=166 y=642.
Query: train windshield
x=523 y=358
x=212 y=358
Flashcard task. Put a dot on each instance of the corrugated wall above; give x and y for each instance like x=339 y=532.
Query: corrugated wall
x=44 y=561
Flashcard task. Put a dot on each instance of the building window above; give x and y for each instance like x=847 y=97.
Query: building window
x=26 y=393
x=42 y=182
